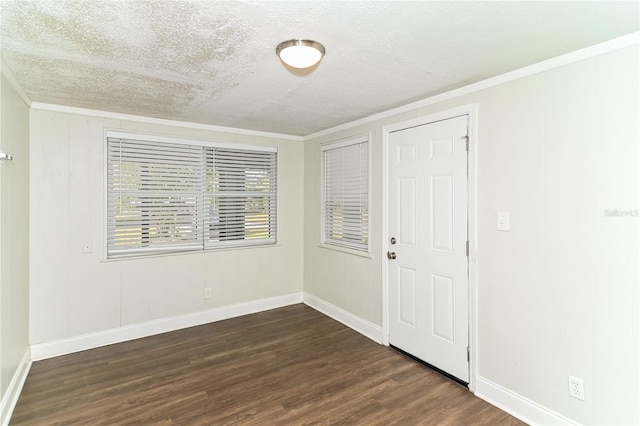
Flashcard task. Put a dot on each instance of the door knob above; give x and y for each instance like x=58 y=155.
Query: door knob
x=391 y=255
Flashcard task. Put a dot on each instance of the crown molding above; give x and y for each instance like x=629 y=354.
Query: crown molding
x=160 y=121
x=549 y=64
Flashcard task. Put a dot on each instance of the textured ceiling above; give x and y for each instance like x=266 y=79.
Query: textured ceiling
x=213 y=61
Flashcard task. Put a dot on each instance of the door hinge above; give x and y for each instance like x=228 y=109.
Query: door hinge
x=468 y=354
x=466 y=137
x=467 y=249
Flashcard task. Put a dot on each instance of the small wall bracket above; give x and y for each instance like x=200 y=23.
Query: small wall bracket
x=4 y=156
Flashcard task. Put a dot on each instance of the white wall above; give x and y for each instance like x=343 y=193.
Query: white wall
x=74 y=293
x=558 y=295
x=14 y=238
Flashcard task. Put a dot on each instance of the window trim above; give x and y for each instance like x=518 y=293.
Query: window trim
x=341 y=143
x=149 y=137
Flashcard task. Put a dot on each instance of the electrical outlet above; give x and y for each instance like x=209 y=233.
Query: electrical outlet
x=207 y=293
x=576 y=388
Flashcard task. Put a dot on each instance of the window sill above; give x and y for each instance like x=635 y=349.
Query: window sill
x=188 y=252
x=364 y=254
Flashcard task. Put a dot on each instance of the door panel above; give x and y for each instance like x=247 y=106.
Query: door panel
x=407 y=283
x=428 y=280
x=442 y=213
x=442 y=307
x=407 y=213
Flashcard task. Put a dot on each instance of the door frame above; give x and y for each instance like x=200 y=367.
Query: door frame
x=471 y=111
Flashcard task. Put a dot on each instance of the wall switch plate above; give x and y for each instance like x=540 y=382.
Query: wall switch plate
x=502 y=221
x=208 y=294
x=576 y=388
x=86 y=247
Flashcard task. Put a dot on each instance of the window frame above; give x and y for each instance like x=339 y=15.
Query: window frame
x=205 y=245
x=365 y=251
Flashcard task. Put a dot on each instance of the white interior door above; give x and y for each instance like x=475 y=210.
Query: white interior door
x=428 y=263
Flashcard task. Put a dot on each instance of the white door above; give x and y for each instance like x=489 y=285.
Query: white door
x=427 y=247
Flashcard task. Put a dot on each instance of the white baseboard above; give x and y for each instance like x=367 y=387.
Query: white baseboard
x=46 y=350
x=10 y=398
x=358 y=324
x=518 y=406
x=503 y=398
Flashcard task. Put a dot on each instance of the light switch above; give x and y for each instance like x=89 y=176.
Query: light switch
x=86 y=247
x=502 y=221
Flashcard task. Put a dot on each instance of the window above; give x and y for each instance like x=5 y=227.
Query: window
x=167 y=195
x=345 y=203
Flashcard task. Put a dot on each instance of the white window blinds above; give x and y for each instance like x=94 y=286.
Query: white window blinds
x=168 y=196
x=345 y=208
x=240 y=196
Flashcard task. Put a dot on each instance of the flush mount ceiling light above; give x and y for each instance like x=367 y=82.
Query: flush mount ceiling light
x=299 y=53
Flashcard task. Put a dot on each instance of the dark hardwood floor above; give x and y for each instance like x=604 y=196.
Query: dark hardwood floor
x=288 y=366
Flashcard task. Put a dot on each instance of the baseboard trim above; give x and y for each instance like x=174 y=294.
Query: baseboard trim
x=10 y=398
x=518 y=406
x=46 y=350
x=362 y=326
x=524 y=409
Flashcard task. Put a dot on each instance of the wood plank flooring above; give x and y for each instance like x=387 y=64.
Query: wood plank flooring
x=288 y=366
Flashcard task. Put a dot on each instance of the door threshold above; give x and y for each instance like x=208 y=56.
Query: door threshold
x=434 y=368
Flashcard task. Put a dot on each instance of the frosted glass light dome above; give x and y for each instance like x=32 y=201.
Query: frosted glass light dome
x=299 y=53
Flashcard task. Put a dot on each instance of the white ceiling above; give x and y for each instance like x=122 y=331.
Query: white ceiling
x=213 y=61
